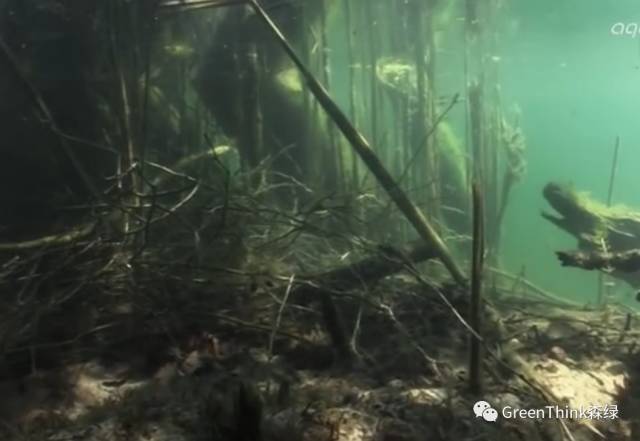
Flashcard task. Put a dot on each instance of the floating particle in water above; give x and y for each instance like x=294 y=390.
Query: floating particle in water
x=179 y=50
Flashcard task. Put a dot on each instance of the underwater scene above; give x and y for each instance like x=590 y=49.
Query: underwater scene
x=320 y=220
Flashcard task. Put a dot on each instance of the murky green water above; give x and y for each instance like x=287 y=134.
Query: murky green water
x=567 y=73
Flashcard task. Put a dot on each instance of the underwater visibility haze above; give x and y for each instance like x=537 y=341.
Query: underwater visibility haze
x=255 y=220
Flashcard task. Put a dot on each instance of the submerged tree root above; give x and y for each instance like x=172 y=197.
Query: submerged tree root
x=607 y=236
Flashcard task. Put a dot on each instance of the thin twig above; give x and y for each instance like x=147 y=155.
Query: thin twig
x=276 y=325
x=454 y=100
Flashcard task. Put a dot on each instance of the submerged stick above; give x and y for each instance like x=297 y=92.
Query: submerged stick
x=476 y=120
x=75 y=234
x=533 y=289
x=413 y=214
x=475 y=315
x=191 y=5
x=419 y=125
x=334 y=152
x=423 y=142
x=372 y=53
x=614 y=167
x=612 y=178
x=129 y=182
x=355 y=175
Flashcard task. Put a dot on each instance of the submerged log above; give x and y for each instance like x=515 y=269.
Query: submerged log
x=608 y=237
x=626 y=261
x=387 y=261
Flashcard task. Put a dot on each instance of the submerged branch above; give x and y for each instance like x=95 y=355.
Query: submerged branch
x=475 y=353
x=607 y=236
x=53 y=240
x=627 y=261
